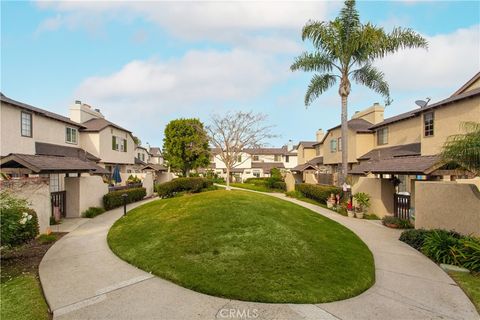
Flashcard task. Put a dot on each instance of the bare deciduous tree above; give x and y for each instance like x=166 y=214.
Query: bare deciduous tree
x=234 y=132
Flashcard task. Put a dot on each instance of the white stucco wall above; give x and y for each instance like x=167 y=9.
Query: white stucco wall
x=37 y=192
x=84 y=192
x=43 y=130
x=108 y=155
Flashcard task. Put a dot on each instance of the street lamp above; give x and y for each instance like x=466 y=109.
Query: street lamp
x=124 y=196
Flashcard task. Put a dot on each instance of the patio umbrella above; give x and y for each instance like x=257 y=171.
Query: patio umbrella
x=116 y=175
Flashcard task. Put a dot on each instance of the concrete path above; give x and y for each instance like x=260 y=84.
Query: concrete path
x=83 y=279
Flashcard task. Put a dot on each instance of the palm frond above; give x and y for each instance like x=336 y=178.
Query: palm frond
x=317 y=61
x=464 y=149
x=372 y=78
x=318 y=85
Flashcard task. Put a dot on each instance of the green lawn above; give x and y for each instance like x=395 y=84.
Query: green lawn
x=245 y=246
x=22 y=298
x=249 y=186
x=470 y=284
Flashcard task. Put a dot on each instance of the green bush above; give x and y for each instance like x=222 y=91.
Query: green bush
x=467 y=254
x=397 y=222
x=193 y=185
x=441 y=246
x=255 y=180
x=414 y=237
x=317 y=192
x=114 y=199
x=47 y=238
x=93 y=212
x=19 y=223
x=280 y=185
x=133 y=179
x=294 y=194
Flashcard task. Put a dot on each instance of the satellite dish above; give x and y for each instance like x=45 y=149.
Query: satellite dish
x=421 y=103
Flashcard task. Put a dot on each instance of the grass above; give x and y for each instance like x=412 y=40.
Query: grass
x=253 y=187
x=22 y=298
x=470 y=284
x=246 y=246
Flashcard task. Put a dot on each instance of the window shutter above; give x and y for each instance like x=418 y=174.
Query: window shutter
x=114 y=142
x=125 y=145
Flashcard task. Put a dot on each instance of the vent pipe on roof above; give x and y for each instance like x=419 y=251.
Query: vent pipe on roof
x=78 y=102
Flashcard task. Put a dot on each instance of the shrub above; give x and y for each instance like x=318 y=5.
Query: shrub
x=19 y=223
x=93 y=212
x=317 y=192
x=133 y=179
x=276 y=174
x=47 y=238
x=467 y=254
x=414 y=237
x=396 y=222
x=193 y=185
x=256 y=180
x=294 y=194
x=114 y=199
x=441 y=246
x=362 y=199
x=280 y=185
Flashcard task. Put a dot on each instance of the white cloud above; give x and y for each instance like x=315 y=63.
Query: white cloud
x=197 y=77
x=450 y=61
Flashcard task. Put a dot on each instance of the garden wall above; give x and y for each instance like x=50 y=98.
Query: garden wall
x=82 y=193
x=37 y=192
x=381 y=193
x=147 y=180
x=448 y=205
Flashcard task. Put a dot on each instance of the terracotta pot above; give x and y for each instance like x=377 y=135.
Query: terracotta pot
x=391 y=225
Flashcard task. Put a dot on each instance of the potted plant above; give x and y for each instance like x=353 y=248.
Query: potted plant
x=350 y=211
x=363 y=201
x=331 y=201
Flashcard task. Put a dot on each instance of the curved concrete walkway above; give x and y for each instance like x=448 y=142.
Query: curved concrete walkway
x=83 y=279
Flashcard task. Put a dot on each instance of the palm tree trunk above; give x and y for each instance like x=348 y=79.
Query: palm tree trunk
x=344 y=142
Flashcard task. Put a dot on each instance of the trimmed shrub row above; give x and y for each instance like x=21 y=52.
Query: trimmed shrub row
x=317 y=192
x=444 y=246
x=114 y=199
x=93 y=212
x=192 y=184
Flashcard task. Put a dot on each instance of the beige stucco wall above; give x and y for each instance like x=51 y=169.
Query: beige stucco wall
x=84 y=192
x=402 y=132
x=358 y=145
x=290 y=181
x=447 y=121
x=474 y=85
x=90 y=141
x=305 y=154
x=448 y=205
x=108 y=155
x=381 y=193
x=146 y=177
x=144 y=153
x=37 y=193
x=43 y=130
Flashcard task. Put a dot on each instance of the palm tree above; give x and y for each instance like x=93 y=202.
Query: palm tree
x=345 y=49
x=464 y=149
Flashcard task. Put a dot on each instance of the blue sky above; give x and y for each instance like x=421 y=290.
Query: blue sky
x=146 y=63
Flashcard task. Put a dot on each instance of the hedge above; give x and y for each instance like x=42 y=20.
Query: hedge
x=92 y=212
x=191 y=184
x=280 y=185
x=317 y=192
x=114 y=199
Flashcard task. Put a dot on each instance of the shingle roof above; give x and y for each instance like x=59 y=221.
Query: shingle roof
x=307 y=144
x=155 y=151
x=49 y=149
x=156 y=167
x=138 y=161
x=39 y=111
x=357 y=125
x=312 y=163
x=467 y=84
x=416 y=112
x=45 y=164
x=267 y=151
x=412 y=149
x=267 y=166
x=98 y=124
x=404 y=165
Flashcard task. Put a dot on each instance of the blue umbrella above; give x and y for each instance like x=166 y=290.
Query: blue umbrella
x=116 y=175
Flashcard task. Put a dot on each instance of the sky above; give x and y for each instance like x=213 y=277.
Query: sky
x=146 y=63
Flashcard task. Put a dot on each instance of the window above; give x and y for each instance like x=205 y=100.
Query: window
x=255 y=158
x=138 y=156
x=333 y=145
x=256 y=173
x=239 y=158
x=277 y=158
x=287 y=158
x=71 y=135
x=119 y=144
x=339 y=143
x=382 y=136
x=428 y=119
x=26 y=124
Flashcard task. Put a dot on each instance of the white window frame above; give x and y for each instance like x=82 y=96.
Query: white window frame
x=72 y=130
x=383 y=133
x=28 y=130
x=333 y=145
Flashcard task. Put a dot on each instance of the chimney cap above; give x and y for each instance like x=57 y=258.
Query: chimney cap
x=78 y=102
x=98 y=110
